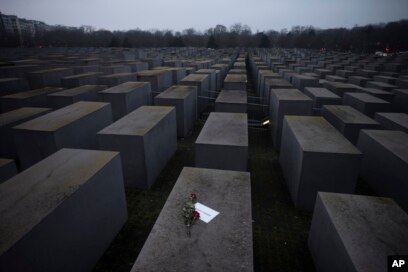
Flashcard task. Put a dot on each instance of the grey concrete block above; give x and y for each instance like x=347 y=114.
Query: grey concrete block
x=231 y=101
x=286 y=102
x=356 y=233
x=12 y=85
x=348 y=121
x=316 y=157
x=73 y=81
x=64 y=98
x=392 y=120
x=33 y=98
x=339 y=88
x=235 y=82
x=380 y=85
x=8 y=169
x=274 y=83
x=400 y=100
x=385 y=163
x=48 y=78
x=62 y=213
x=159 y=80
x=322 y=96
x=202 y=82
x=302 y=81
x=387 y=96
x=127 y=97
x=223 y=142
x=74 y=126
x=224 y=244
x=13 y=118
x=184 y=99
x=358 y=80
x=366 y=103
x=146 y=139
x=116 y=79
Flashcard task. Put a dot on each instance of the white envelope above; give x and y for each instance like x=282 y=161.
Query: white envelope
x=206 y=214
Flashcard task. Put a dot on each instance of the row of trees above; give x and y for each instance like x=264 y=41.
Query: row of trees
x=358 y=39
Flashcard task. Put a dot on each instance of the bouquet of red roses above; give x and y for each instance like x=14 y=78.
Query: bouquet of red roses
x=190 y=215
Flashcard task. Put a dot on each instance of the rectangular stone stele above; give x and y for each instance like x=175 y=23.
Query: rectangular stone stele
x=74 y=126
x=48 y=78
x=316 y=157
x=348 y=120
x=322 y=96
x=67 y=97
x=223 y=142
x=62 y=213
x=33 y=98
x=184 y=99
x=231 y=101
x=385 y=163
x=366 y=103
x=356 y=233
x=393 y=120
x=10 y=119
x=127 y=97
x=286 y=102
x=223 y=244
x=8 y=169
x=235 y=82
x=159 y=80
x=146 y=139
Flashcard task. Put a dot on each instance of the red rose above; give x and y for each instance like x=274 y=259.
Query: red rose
x=193 y=195
x=195 y=214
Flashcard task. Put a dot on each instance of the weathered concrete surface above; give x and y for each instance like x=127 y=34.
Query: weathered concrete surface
x=48 y=77
x=393 y=120
x=62 y=213
x=224 y=244
x=356 y=233
x=322 y=96
x=64 y=98
x=223 y=142
x=348 y=120
x=8 y=169
x=316 y=157
x=184 y=99
x=146 y=139
x=74 y=126
x=235 y=82
x=385 y=163
x=231 y=101
x=127 y=97
x=366 y=103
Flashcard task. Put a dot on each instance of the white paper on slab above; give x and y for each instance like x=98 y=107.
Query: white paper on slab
x=206 y=214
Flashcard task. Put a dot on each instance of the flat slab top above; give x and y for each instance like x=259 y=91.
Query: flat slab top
x=267 y=72
x=205 y=71
x=138 y=122
x=371 y=228
x=33 y=93
x=395 y=117
x=223 y=128
x=359 y=78
x=401 y=91
x=90 y=74
x=127 y=87
x=48 y=71
x=393 y=140
x=4 y=162
x=27 y=198
x=349 y=115
x=375 y=91
x=315 y=134
x=118 y=75
x=277 y=82
x=366 y=98
x=60 y=118
x=321 y=93
x=338 y=85
x=289 y=94
x=150 y=73
x=381 y=84
x=236 y=78
x=13 y=116
x=9 y=79
x=79 y=90
x=304 y=77
x=195 y=77
x=223 y=244
x=177 y=92
x=232 y=96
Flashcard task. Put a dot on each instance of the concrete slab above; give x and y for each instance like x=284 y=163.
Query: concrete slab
x=231 y=101
x=316 y=157
x=400 y=100
x=8 y=169
x=286 y=102
x=127 y=97
x=356 y=233
x=12 y=85
x=322 y=96
x=235 y=82
x=348 y=121
x=74 y=126
x=366 y=103
x=73 y=81
x=393 y=120
x=116 y=79
x=228 y=234
x=385 y=163
x=223 y=142
x=146 y=139
x=52 y=213
x=184 y=99
x=64 y=98
x=48 y=77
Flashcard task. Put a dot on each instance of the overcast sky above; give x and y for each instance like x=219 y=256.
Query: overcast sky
x=181 y=14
